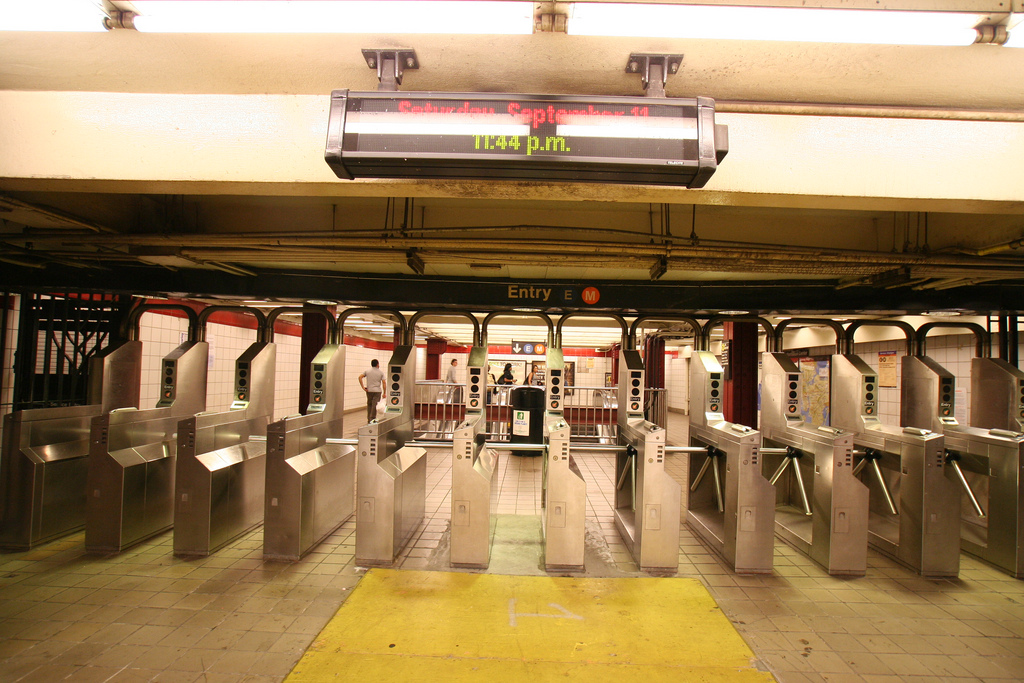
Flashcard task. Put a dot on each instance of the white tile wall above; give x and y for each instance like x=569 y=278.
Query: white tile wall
x=7 y=362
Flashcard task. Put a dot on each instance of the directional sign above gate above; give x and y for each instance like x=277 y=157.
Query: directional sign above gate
x=529 y=348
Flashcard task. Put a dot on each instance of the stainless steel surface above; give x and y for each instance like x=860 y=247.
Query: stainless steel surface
x=130 y=482
x=310 y=471
x=220 y=475
x=473 y=465
x=391 y=489
x=115 y=376
x=43 y=467
x=743 y=531
x=997 y=395
x=822 y=484
x=983 y=464
x=646 y=513
x=565 y=501
x=924 y=536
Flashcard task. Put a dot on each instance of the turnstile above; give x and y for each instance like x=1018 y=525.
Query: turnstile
x=44 y=458
x=913 y=507
x=473 y=465
x=997 y=395
x=985 y=463
x=564 y=489
x=220 y=475
x=733 y=511
x=647 y=498
x=821 y=508
x=391 y=477
x=310 y=488
x=130 y=481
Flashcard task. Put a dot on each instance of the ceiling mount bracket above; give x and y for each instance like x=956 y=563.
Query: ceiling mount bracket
x=390 y=64
x=654 y=70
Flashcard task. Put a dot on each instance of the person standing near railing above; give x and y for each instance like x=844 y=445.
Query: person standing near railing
x=451 y=378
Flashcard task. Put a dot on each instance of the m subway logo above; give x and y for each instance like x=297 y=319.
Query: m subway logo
x=589 y=295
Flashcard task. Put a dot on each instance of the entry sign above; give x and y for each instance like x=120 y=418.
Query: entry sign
x=521 y=422
x=529 y=348
x=656 y=141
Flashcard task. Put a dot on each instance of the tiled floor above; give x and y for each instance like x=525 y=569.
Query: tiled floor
x=146 y=615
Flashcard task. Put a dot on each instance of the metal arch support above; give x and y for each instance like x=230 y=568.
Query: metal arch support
x=982 y=339
x=411 y=331
x=135 y=315
x=718 y=319
x=204 y=316
x=534 y=314
x=692 y=322
x=339 y=323
x=836 y=327
x=587 y=314
x=908 y=330
x=275 y=313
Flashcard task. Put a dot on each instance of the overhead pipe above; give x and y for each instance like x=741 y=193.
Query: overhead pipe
x=982 y=339
x=204 y=316
x=411 y=334
x=908 y=330
x=588 y=314
x=534 y=314
x=719 y=319
x=836 y=327
x=131 y=331
x=339 y=323
x=670 y=317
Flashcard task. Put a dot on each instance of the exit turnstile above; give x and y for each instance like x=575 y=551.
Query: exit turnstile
x=821 y=508
x=391 y=477
x=647 y=498
x=220 y=471
x=130 y=483
x=44 y=460
x=985 y=463
x=914 y=508
x=310 y=487
x=473 y=465
x=731 y=506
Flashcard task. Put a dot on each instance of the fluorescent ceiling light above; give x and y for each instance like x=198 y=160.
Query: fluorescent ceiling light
x=334 y=16
x=52 y=15
x=773 y=23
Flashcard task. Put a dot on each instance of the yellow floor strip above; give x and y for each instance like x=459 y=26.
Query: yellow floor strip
x=442 y=626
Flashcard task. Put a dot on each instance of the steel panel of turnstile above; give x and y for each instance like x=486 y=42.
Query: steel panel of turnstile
x=565 y=491
x=828 y=522
x=733 y=512
x=914 y=508
x=310 y=486
x=44 y=459
x=391 y=477
x=985 y=463
x=130 y=483
x=473 y=465
x=220 y=475
x=647 y=498
x=997 y=395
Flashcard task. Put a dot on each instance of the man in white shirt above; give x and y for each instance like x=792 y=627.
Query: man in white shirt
x=372 y=382
x=450 y=378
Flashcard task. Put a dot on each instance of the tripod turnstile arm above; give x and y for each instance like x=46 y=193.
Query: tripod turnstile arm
x=951 y=459
x=778 y=472
x=800 y=486
x=885 y=487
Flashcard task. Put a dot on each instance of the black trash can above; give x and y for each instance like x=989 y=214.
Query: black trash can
x=526 y=421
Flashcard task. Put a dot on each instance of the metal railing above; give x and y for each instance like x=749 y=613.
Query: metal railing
x=590 y=411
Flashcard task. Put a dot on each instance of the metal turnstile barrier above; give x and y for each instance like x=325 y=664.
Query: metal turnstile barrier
x=647 y=498
x=985 y=463
x=391 y=477
x=220 y=475
x=997 y=395
x=473 y=466
x=44 y=458
x=821 y=508
x=310 y=483
x=130 y=482
x=733 y=509
x=913 y=507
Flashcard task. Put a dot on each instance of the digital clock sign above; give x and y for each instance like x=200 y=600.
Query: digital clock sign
x=656 y=141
